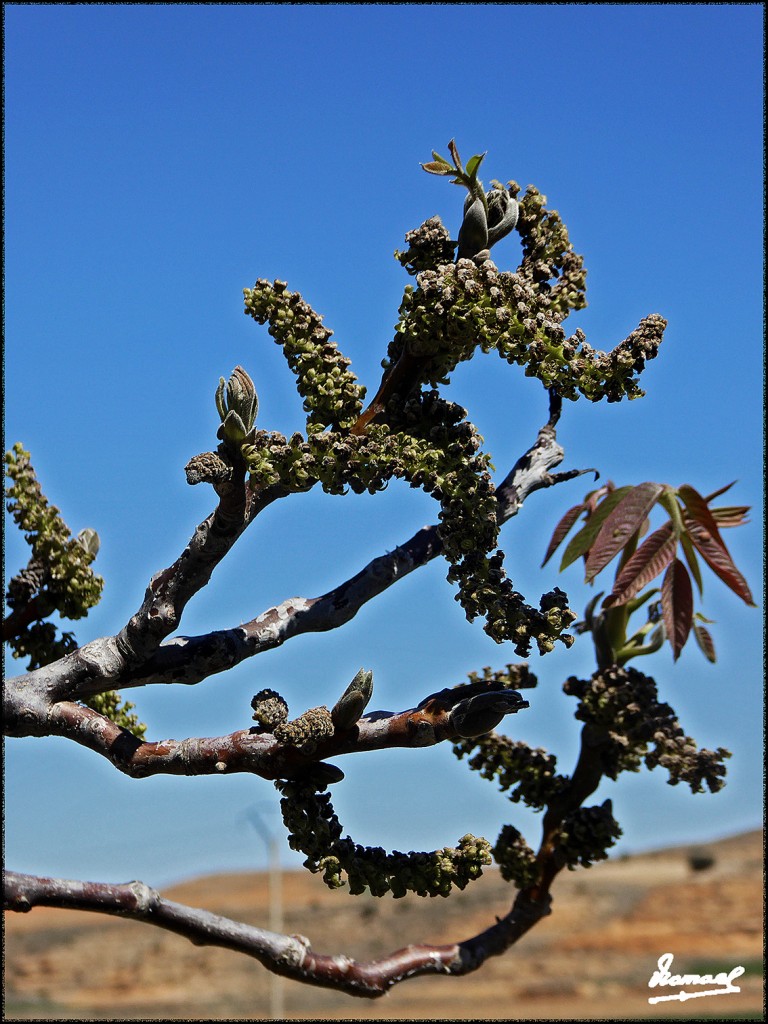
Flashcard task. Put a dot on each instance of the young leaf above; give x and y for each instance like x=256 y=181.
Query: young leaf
x=730 y=515
x=705 y=642
x=698 y=510
x=581 y=543
x=561 y=530
x=440 y=159
x=437 y=168
x=719 y=560
x=455 y=154
x=473 y=163
x=677 y=605
x=626 y=518
x=716 y=494
x=692 y=560
x=669 y=502
x=699 y=617
x=594 y=498
x=653 y=555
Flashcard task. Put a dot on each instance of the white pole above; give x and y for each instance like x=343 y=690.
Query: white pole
x=275 y=922
x=276 y=1000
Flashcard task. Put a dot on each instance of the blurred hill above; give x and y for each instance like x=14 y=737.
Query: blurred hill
x=591 y=959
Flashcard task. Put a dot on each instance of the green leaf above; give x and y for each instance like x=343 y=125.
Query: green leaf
x=220 y=405
x=581 y=543
x=669 y=502
x=692 y=560
x=440 y=159
x=700 y=617
x=473 y=163
x=621 y=525
x=677 y=605
x=88 y=540
x=651 y=558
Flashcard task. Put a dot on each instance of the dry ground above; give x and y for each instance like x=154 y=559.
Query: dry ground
x=591 y=959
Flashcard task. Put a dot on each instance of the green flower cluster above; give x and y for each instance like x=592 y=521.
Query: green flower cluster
x=435 y=453
x=516 y=677
x=271 y=712
x=428 y=246
x=57 y=579
x=458 y=307
x=60 y=575
x=315 y=831
x=209 y=467
x=306 y=731
x=548 y=254
x=338 y=461
x=269 y=709
x=529 y=772
x=332 y=396
x=485 y=589
x=516 y=860
x=41 y=643
x=683 y=760
x=586 y=835
x=624 y=716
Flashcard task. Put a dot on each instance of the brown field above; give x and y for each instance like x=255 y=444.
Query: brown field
x=591 y=959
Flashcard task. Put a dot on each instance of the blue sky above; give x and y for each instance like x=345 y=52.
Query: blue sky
x=160 y=158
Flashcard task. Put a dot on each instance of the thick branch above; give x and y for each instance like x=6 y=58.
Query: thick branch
x=115 y=663
x=253 y=750
x=95 y=667
x=290 y=956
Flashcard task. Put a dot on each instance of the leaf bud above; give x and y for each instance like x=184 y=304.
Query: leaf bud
x=483 y=712
x=353 y=701
x=237 y=405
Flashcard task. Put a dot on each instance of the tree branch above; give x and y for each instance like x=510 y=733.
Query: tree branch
x=256 y=751
x=96 y=666
x=290 y=956
x=190 y=660
x=136 y=657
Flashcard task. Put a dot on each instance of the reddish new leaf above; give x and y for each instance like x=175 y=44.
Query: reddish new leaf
x=716 y=555
x=699 y=510
x=625 y=520
x=677 y=605
x=455 y=154
x=730 y=515
x=651 y=558
x=562 y=529
x=705 y=641
x=716 y=494
x=581 y=543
